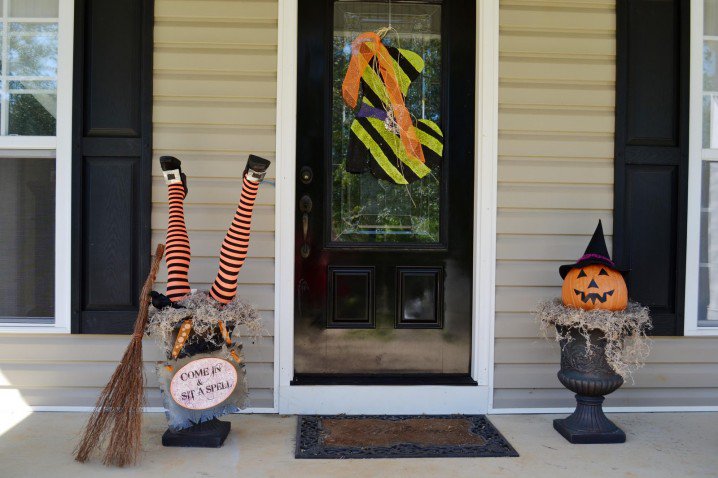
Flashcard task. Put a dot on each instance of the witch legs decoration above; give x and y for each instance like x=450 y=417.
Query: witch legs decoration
x=234 y=247
x=232 y=255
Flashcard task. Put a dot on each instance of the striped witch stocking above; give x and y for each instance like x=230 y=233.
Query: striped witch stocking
x=177 y=253
x=236 y=242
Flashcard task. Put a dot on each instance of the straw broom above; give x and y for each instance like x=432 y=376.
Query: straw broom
x=118 y=411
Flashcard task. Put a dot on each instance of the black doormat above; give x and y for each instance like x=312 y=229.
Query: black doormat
x=399 y=436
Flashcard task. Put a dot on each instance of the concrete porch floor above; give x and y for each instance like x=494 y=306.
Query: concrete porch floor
x=658 y=445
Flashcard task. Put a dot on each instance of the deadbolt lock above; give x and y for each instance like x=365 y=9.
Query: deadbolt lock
x=306 y=174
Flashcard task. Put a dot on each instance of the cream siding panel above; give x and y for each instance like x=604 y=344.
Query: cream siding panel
x=543 y=145
x=204 y=243
x=533 y=94
x=218 y=9
x=215 y=102
x=216 y=190
x=547 y=221
x=87 y=396
x=531 y=375
x=180 y=84
x=623 y=397
x=96 y=374
x=571 y=170
x=568 y=68
x=556 y=108
x=214 y=217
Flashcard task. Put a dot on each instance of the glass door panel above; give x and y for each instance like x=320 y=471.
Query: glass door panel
x=365 y=209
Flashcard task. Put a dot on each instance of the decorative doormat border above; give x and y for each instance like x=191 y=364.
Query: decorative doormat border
x=310 y=444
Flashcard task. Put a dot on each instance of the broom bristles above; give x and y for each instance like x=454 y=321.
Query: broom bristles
x=116 y=420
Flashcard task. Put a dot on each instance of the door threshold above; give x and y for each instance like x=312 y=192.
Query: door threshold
x=450 y=379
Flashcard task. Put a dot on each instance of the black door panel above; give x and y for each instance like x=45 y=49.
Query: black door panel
x=384 y=270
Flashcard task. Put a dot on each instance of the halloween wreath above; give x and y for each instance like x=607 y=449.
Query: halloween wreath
x=385 y=138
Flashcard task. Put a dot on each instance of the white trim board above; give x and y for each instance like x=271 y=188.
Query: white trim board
x=695 y=117
x=390 y=399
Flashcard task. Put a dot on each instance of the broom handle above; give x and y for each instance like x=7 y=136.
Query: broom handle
x=145 y=300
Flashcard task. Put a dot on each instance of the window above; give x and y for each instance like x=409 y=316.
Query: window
x=35 y=163
x=702 y=251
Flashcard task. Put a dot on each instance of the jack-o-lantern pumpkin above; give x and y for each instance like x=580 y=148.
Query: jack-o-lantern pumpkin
x=594 y=282
x=594 y=286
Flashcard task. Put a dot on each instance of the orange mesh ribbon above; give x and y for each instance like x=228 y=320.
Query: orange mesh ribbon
x=365 y=48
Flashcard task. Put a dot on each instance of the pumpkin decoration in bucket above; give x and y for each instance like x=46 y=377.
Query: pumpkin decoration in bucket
x=594 y=282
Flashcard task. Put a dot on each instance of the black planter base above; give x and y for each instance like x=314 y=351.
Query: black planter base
x=209 y=434
x=588 y=424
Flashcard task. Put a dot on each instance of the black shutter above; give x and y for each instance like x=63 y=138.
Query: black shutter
x=112 y=152
x=651 y=170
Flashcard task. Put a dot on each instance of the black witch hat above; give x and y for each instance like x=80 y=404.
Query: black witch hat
x=596 y=253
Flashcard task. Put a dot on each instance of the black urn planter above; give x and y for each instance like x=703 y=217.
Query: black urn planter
x=590 y=377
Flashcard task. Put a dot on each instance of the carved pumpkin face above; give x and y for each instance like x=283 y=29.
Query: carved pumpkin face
x=594 y=286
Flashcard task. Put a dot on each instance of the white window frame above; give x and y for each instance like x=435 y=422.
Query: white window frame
x=696 y=156
x=61 y=143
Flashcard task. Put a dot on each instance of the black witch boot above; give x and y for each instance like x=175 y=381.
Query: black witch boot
x=256 y=168
x=172 y=171
x=160 y=301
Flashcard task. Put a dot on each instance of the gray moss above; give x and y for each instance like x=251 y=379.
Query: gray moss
x=627 y=345
x=206 y=313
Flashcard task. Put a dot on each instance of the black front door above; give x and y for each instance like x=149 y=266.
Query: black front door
x=384 y=232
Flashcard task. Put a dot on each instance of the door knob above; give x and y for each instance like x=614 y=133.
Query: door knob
x=305 y=206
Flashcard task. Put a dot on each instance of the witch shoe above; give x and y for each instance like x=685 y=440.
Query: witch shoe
x=160 y=301
x=256 y=168
x=172 y=171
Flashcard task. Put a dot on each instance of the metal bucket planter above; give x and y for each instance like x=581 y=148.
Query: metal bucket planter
x=590 y=377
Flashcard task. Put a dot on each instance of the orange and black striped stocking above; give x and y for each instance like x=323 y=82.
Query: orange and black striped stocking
x=234 y=246
x=177 y=253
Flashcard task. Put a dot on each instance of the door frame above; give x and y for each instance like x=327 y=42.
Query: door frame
x=371 y=399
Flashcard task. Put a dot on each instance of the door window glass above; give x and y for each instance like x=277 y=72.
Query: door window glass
x=365 y=209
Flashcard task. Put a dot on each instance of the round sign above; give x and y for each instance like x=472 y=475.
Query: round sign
x=203 y=383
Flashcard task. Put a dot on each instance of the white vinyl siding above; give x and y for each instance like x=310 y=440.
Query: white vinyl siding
x=214 y=103
x=215 y=87
x=556 y=150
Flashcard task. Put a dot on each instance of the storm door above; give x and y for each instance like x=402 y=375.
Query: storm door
x=384 y=205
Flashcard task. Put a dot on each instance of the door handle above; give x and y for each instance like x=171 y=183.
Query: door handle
x=305 y=206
